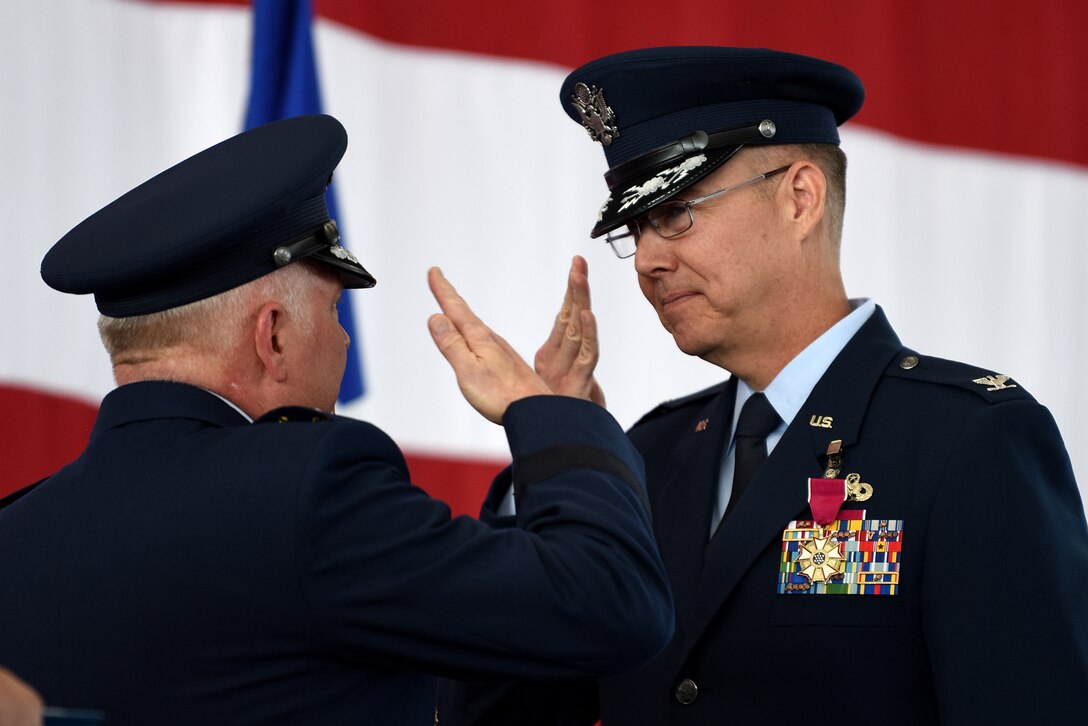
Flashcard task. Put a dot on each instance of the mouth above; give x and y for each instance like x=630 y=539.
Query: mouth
x=676 y=297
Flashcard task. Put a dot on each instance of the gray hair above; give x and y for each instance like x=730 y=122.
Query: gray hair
x=213 y=324
x=831 y=160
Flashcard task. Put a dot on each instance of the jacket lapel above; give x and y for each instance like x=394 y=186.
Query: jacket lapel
x=779 y=492
x=682 y=514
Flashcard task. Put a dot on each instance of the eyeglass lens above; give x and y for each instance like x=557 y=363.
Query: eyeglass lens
x=671 y=219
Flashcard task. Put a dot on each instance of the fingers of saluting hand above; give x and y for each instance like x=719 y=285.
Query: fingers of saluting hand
x=459 y=329
x=571 y=347
x=445 y=333
x=565 y=340
x=454 y=307
x=489 y=371
x=588 y=352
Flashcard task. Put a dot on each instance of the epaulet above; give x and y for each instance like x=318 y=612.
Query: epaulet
x=294 y=414
x=676 y=403
x=989 y=385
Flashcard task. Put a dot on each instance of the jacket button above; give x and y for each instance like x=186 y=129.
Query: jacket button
x=687 y=692
x=909 y=362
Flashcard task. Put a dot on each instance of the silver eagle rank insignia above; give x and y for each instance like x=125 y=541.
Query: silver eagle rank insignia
x=597 y=117
x=995 y=383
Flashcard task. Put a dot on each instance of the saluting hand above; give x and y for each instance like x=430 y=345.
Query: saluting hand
x=568 y=357
x=489 y=371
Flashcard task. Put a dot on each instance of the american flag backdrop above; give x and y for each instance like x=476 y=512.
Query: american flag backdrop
x=967 y=189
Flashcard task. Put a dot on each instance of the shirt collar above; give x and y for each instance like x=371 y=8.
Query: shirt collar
x=791 y=387
x=232 y=404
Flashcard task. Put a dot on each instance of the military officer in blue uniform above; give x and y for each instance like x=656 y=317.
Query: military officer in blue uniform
x=855 y=531
x=228 y=551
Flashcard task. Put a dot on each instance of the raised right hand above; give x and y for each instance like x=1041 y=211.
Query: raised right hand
x=489 y=371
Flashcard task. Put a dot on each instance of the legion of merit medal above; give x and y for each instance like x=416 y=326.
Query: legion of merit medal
x=817 y=557
x=820 y=559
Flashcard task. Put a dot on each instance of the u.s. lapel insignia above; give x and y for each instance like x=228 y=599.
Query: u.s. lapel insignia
x=995 y=382
x=597 y=116
x=857 y=490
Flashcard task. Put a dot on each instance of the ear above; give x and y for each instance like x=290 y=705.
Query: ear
x=269 y=342
x=807 y=191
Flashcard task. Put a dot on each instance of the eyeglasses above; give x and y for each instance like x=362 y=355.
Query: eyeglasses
x=670 y=219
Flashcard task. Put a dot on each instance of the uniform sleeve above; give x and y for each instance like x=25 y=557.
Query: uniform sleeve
x=575 y=589
x=527 y=703
x=1005 y=593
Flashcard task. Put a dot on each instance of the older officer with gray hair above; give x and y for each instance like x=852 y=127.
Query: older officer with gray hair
x=228 y=551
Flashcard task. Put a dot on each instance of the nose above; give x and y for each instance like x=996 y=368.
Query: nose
x=654 y=253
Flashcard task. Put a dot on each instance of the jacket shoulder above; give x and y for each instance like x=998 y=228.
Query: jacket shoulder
x=294 y=414
x=697 y=399
x=301 y=420
x=989 y=385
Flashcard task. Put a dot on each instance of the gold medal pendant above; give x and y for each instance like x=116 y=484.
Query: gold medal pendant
x=820 y=559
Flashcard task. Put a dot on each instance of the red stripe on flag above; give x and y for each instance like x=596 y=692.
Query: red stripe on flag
x=41 y=433
x=460 y=482
x=987 y=76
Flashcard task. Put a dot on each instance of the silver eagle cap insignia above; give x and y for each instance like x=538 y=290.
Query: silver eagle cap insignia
x=597 y=117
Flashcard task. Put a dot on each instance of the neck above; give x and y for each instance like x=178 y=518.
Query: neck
x=172 y=364
x=212 y=373
x=761 y=354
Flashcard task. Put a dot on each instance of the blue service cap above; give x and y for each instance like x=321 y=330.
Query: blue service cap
x=667 y=117
x=230 y=214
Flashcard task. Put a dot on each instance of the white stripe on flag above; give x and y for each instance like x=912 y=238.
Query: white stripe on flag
x=467 y=162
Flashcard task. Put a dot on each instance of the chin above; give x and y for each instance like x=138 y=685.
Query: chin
x=685 y=341
x=695 y=348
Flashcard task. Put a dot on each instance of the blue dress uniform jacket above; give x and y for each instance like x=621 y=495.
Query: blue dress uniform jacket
x=990 y=623
x=192 y=568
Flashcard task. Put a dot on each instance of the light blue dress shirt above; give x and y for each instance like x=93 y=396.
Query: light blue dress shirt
x=789 y=390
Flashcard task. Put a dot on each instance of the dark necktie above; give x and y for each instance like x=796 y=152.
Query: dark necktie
x=757 y=420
